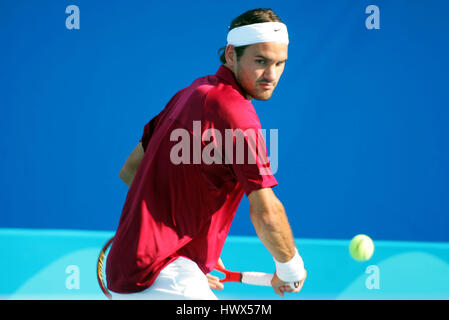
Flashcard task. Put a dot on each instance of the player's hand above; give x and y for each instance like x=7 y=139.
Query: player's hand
x=280 y=287
x=214 y=282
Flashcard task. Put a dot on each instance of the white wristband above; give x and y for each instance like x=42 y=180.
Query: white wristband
x=292 y=270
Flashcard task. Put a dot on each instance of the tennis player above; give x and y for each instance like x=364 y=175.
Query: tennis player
x=176 y=216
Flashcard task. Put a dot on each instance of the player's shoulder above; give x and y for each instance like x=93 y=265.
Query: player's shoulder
x=225 y=103
x=218 y=92
x=223 y=94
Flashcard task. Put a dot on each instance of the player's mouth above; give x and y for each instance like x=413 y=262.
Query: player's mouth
x=266 y=86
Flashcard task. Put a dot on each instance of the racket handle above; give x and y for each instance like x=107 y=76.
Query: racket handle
x=257 y=278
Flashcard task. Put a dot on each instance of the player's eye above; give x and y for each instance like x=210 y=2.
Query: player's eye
x=261 y=62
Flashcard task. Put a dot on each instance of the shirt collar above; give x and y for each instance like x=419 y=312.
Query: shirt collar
x=227 y=75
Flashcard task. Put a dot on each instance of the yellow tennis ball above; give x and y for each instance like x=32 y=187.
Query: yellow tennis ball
x=361 y=247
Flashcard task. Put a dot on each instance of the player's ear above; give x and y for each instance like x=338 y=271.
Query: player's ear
x=230 y=55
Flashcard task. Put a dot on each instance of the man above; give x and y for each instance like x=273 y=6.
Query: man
x=177 y=215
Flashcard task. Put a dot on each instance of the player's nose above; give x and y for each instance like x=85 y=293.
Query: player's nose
x=270 y=74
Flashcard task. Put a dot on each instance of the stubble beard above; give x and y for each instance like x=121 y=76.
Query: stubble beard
x=264 y=96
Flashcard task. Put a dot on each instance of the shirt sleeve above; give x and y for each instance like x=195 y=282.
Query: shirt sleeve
x=149 y=129
x=148 y=132
x=246 y=151
x=254 y=170
x=151 y=126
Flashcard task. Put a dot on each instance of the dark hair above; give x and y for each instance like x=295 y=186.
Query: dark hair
x=249 y=17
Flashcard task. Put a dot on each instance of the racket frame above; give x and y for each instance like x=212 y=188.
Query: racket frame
x=101 y=266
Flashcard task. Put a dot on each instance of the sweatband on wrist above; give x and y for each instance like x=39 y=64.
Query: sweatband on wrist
x=257 y=33
x=292 y=270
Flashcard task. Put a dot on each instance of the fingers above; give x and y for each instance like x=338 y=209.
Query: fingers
x=298 y=286
x=279 y=290
x=214 y=282
x=280 y=287
x=286 y=288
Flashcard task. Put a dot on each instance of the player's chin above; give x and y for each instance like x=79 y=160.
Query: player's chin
x=263 y=95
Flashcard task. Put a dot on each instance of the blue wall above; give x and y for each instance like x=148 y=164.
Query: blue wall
x=362 y=114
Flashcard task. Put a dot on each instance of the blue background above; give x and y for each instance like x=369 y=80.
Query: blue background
x=362 y=114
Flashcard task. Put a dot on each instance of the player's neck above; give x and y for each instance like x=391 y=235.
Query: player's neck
x=246 y=95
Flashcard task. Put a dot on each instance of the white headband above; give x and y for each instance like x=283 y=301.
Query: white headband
x=257 y=33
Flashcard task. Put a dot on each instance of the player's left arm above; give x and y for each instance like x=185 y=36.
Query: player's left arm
x=129 y=169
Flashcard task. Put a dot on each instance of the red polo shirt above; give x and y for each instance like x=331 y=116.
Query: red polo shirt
x=180 y=203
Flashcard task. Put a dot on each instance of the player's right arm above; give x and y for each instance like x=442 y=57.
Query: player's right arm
x=273 y=229
x=129 y=169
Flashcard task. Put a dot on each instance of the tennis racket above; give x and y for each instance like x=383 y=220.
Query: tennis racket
x=249 y=277
x=101 y=268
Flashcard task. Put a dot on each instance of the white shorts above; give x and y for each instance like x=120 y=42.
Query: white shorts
x=179 y=280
